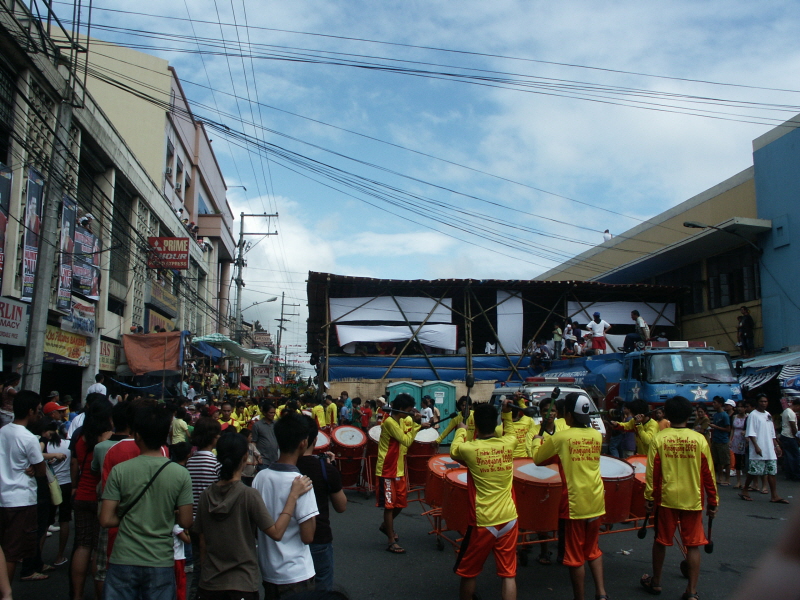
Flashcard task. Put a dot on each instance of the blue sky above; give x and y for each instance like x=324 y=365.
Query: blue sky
x=630 y=161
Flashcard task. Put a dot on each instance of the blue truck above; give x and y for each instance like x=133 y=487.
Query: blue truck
x=654 y=374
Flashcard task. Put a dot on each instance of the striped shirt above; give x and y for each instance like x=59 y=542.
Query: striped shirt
x=204 y=470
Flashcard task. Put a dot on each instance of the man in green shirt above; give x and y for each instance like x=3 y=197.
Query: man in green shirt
x=141 y=497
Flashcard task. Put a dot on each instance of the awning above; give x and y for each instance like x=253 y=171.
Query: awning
x=778 y=359
x=756 y=379
x=220 y=341
x=207 y=350
x=789 y=372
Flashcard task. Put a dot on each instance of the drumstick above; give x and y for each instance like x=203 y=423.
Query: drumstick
x=642 y=533
x=710 y=544
x=452 y=415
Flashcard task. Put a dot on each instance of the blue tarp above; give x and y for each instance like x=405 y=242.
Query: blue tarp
x=450 y=368
x=208 y=350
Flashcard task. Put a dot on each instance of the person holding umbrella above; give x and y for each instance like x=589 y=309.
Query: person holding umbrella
x=680 y=471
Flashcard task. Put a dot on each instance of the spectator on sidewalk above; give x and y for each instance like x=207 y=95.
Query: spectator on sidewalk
x=788 y=439
x=327 y=484
x=720 y=441
x=21 y=455
x=764 y=450
x=142 y=497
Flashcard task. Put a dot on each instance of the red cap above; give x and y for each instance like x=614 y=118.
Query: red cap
x=51 y=406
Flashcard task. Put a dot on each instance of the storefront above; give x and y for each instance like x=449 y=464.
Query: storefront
x=13 y=334
x=66 y=355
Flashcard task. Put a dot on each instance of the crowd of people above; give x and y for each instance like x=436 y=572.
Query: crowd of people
x=216 y=499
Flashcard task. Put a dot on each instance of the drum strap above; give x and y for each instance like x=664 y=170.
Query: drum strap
x=498 y=533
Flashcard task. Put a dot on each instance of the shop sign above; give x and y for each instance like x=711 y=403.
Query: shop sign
x=262 y=338
x=168 y=253
x=152 y=320
x=109 y=355
x=13 y=322
x=163 y=300
x=81 y=318
x=65 y=347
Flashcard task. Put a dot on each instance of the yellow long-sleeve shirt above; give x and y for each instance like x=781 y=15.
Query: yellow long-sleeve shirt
x=396 y=437
x=521 y=430
x=319 y=414
x=332 y=414
x=644 y=433
x=577 y=452
x=491 y=475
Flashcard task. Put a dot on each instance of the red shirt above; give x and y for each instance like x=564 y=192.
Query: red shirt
x=87 y=479
x=366 y=415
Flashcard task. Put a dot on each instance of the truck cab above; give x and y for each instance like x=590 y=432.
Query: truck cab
x=658 y=372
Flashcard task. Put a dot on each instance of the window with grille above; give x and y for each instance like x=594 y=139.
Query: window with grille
x=733 y=277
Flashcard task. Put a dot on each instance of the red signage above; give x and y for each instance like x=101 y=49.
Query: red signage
x=168 y=253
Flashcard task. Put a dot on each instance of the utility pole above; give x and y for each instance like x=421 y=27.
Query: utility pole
x=48 y=242
x=240 y=265
x=281 y=321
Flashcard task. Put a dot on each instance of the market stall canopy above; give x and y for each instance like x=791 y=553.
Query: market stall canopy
x=149 y=352
x=207 y=350
x=758 y=371
x=232 y=348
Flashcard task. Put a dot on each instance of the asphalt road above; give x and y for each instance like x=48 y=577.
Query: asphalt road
x=743 y=531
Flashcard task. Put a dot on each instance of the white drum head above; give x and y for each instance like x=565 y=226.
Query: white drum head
x=638 y=467
x=375 y=433
x=426 y=436
x=536 y=472
x=308 y=413
x=462 y=477
x=614 y=468
x=349 y=436
x=322 y=440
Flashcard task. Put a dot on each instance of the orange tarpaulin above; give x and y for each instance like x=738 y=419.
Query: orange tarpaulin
x=147 y=352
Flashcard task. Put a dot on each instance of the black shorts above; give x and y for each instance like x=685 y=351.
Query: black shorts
x=87 y=524
x=63 y=512
x=19 y=532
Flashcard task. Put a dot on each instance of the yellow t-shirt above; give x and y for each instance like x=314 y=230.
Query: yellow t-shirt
x=644 y=433
x=396 y=437
x=179 y=430
x=577 y=451
x=679 y=469
x=233 y=423
x=319 y=414
x=454 y=422
x=491 y=476
x=331 y=414
x=521 y=430
x=561 y=424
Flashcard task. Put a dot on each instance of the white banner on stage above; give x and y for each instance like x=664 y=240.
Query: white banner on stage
x=436 y=336
x=509 y=321
x=383 y=308
x=619 y=313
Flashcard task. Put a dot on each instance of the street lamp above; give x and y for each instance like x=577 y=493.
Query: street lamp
x=698 y=225
x=261 y=302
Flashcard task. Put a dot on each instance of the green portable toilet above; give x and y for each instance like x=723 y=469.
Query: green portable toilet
x=405 y=387
x=444 y=398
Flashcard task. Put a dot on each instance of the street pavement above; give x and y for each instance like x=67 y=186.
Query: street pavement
x=742 y=533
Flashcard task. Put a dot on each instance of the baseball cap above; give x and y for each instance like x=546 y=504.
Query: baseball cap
x=579 y=406
x=54 y=394
x=427 y=398
x=51 y=406
x=596 y=314
x=731 y=403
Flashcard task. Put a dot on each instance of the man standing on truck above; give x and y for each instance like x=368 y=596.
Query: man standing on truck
x=598 y=328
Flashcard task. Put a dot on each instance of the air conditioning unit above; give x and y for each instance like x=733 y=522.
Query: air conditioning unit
x=177 y=187
x=169 y=171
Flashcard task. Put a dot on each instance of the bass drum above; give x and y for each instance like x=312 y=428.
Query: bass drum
x=455 y=502
x=419 y=453
x=618 y=481
x=537 y=492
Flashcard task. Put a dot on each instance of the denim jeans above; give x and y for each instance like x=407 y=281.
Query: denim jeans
x=615 y=445
x=126 y=582
x=322 y=555
x=791 y=457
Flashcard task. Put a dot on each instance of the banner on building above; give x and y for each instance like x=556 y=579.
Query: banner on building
x=13 y=322
x=152 y=320
x=66 y=348
x=68 y=212
x=33 y=224
x=260 y=376
x=81 y=318
x=86 y=264
x=5 y=205
x=168 y=253
x=157 y=295
x=154 y=352
x=109 y=355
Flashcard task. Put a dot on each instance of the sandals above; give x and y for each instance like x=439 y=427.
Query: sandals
x=395 y=548
x=35 y=577
x=745 y=497
x=647 y=583
x=544 y=559
x=61 y=563
x=688 y=596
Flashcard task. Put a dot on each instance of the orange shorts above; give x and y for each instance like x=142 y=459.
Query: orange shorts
x=577 y=541
x=477 y=544
x=691 y=526
x=392 y=492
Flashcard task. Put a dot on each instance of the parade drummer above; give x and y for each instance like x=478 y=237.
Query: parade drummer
x=397 y=435
x=520 y=426
x=679 y=470
x=318 y=412
x=470 y=423
x=577 y=452
x=493 y=514
x=641 y=424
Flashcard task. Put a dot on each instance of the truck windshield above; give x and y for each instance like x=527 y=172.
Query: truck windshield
x=686 y=367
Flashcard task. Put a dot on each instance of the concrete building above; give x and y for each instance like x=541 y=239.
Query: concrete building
x=125 y=160
x=736 y=252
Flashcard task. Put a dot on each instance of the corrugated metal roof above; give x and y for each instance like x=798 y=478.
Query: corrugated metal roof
x=772 y=360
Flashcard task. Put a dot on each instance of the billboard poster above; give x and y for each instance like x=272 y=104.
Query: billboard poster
x=5 y=204
x=86 y=264
x=66 y=348
x=81 y=318
x=168 y=253
x=13 y=322
x=33 y=224
x=68 y=212
x=260 y=376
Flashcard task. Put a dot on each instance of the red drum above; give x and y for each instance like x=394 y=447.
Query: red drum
x=639 y=464
x=537 y=492
x=455 y=501
x=419 y=453
x=438 y=467
x=348 y=445
x=323 y=443
x=618 y=483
